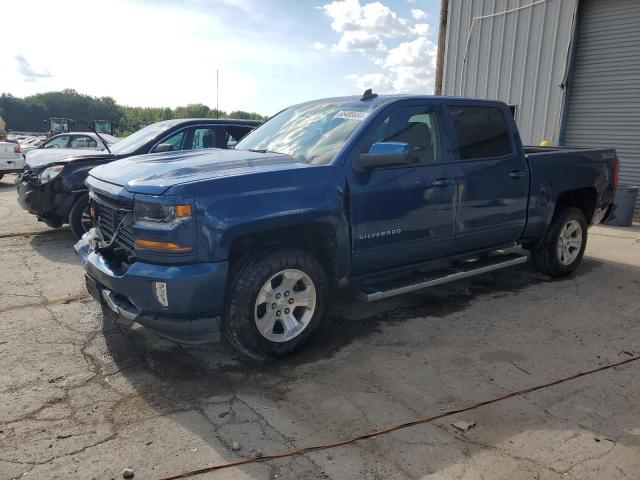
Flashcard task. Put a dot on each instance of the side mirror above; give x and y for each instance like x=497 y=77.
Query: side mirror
x=162 y=147
x=383 y=154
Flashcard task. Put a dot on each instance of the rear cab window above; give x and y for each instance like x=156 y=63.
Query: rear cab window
x=481 y=132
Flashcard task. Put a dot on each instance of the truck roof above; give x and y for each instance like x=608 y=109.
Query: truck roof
x=176 y=121
x=385 y=99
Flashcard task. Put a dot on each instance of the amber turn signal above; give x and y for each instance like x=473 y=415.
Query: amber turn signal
x=183 y=211
x=162 y=246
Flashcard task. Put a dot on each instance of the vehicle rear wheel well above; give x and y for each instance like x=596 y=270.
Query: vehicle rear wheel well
x=582 y=198
x=319 y=239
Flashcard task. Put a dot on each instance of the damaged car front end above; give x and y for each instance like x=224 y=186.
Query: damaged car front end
x=41 y=195
x=132 y=268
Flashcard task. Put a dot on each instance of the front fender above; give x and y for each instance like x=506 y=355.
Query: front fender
x=292 y=199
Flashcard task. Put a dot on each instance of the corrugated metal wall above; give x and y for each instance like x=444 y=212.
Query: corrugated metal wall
x=519 y=58
x=604 y=90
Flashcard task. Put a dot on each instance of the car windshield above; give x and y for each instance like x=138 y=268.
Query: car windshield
x=136 y=140
x=311 y=133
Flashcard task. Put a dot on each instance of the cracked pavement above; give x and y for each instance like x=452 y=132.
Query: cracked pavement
x=84 y=395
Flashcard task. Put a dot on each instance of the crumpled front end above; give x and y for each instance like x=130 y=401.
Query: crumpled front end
x=42 y=200
x=181 y=302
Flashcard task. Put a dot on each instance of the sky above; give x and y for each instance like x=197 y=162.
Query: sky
x=269 y=54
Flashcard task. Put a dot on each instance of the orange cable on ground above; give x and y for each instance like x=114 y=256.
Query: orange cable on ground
x=375 y=433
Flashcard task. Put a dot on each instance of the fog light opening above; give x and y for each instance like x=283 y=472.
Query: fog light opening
x=160 y=291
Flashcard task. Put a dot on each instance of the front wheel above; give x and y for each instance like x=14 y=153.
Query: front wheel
x=275 y=302
x=561 y=249
x=80 y=220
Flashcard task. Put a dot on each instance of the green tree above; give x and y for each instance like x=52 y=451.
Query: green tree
x=31 y=113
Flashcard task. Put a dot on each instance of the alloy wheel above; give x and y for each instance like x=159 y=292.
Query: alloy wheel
x=285 y=305
x=569 y=242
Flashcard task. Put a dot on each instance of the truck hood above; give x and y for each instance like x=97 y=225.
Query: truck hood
x=39 y=158
x=154 y=174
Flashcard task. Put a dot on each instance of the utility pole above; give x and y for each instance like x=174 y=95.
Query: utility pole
x=442 y=40
x=217 y=90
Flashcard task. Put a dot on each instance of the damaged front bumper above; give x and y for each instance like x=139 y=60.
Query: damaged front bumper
x=195 y=293
x=40 y=200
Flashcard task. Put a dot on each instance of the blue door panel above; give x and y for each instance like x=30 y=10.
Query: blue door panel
x=492 y=205
x=399 y=218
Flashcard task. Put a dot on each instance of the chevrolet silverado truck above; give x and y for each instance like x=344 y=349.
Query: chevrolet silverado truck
x=385 y=194
x=52 y=185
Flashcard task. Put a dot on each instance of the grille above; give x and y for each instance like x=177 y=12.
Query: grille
x=109 y=212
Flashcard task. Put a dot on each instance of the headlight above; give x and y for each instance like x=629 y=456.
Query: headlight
x=157 y=213
x=50 y=173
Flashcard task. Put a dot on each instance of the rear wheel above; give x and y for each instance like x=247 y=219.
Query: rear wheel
x=80 y=220
x=275 y=302
x=561 y=249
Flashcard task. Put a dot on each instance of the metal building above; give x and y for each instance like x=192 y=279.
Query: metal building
x=569 y=68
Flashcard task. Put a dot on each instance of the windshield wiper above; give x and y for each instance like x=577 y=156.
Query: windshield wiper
x=102 y=140
x=264 y=150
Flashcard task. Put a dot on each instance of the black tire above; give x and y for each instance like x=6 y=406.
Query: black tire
x=544 y=252
x=76 y=223
x=248 y=276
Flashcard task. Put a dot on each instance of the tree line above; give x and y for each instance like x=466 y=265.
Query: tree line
x=30 y=113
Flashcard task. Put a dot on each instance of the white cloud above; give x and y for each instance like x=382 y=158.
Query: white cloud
x=418 y=14
x=349 y=15
x=318 y=46
x=379 y=82
x=139 y=66
x=359 y=40
x=418 y=53
x=421 y=29
x=368 y=28
x=364 y=26
x=410 y=69
x=29 y=74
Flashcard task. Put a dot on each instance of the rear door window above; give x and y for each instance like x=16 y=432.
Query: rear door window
x=82 y=141
x=481 y=132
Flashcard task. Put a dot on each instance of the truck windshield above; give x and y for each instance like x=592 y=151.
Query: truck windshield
x=136 y=140
x=310 y=133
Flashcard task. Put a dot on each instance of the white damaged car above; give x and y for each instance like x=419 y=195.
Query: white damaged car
x=11 y=159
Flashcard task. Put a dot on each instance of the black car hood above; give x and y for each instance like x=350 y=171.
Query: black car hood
x=40 y=158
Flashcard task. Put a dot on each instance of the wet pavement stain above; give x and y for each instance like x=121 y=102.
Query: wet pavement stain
x=219 y=367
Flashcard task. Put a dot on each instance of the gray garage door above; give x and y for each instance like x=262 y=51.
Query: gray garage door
x=604 y=95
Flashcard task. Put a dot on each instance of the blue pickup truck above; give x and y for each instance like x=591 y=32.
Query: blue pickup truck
x=385 y=194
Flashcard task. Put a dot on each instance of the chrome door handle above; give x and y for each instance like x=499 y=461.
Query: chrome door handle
x=441 y=182
x=517 y=174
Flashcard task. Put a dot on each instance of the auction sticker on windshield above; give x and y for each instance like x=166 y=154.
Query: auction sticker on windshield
x=351 y=115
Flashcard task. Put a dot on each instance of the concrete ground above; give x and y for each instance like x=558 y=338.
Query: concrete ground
x=83 y=395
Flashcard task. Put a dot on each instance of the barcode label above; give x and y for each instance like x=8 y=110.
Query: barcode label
x=350 y=115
